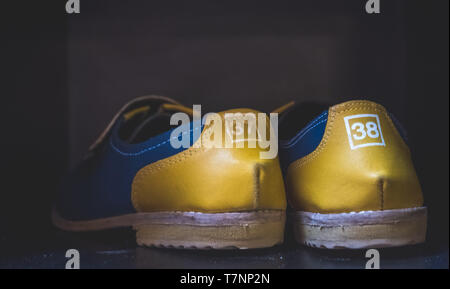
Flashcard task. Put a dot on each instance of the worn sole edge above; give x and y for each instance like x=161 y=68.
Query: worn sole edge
x=239 y=236
x=357 y=230
x=193 y=230
x=170 y=218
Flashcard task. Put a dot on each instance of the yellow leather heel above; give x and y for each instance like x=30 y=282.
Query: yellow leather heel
x=358 y=188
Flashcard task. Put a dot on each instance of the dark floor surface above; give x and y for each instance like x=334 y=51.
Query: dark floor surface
x=117 y=249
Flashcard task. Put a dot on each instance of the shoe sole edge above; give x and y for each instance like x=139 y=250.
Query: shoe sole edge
x=359 y=230
x=193 y=230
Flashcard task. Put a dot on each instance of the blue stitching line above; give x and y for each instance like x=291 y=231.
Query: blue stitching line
x=306 y=128
x=303 y=134
x=149 y=148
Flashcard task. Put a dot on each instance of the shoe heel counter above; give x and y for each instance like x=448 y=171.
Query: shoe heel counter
x=362 y=163
x=210 y=179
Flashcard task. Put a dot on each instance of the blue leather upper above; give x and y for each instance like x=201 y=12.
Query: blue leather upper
x=304 y=142
x=101 y=185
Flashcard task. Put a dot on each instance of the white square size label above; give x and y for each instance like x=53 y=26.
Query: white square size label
x=364 y=130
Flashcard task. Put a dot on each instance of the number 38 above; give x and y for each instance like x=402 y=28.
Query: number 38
x=371 y=130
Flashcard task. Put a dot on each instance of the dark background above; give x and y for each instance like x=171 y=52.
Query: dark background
x=64 y=77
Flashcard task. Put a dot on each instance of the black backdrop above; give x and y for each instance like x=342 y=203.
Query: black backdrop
x=64 y=76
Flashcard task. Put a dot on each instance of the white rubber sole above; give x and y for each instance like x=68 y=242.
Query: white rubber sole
x=193 y=230
x=357 y=230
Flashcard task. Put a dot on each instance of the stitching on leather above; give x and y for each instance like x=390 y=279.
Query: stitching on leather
x=308 y=128
x=333 y=112
x=299 y=163
x=381 y=191
x=304 y=134
x=136 y=184
x=257 y=185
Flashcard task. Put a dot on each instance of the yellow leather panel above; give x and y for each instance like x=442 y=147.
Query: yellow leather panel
x=362 y=163
x=209 y=179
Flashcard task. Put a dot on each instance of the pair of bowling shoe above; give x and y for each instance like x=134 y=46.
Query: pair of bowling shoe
x=344 y=172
